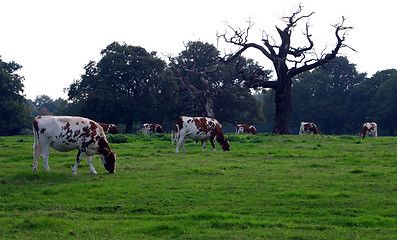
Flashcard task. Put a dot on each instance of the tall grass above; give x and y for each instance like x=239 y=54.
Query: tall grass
x=266 y=187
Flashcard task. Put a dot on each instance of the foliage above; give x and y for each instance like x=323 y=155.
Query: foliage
x=14 y=113
x=385 y=102
x=323 y=96
x=123 y=86
x=45 y=105
x=200 y=67
x=117 y=138
x=267 y=186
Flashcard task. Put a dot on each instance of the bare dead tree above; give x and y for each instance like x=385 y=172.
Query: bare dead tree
x=288 y=61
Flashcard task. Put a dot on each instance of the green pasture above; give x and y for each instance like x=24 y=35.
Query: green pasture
x=266 y=187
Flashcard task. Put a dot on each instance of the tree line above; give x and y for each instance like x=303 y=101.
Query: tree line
x=129 y=86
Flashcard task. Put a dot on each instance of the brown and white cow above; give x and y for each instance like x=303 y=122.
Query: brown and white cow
x=109 y=128
x=200 y=128
x=245 y=128
x=308 y=128
x=65 y=133
x=370 y=129
x=150 y=128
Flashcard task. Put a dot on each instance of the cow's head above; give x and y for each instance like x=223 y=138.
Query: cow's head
x=113 y=129
x=109 y=162
x=225 y=144
x=159 y=129
x=108 y=157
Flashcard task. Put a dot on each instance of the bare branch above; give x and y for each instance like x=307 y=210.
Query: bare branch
x=340 y=33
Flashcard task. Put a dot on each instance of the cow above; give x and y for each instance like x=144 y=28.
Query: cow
x=245 y=128
x=109 y=128
x=150 y=128
x=370 y=129
x=200 y=128
x=66 y=133
x=307 y=128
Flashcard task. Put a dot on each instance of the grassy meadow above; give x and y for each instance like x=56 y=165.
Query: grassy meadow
x=266 y=187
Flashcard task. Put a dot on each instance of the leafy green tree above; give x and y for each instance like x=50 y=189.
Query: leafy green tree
x=210 y=88
x=45 y=105
x=123 y=87
x=383 y=107
x=13 y=111
x=323 y=96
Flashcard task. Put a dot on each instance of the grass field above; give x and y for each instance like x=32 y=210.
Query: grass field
x=266 y=187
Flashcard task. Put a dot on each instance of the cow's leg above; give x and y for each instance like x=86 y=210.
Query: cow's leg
x=178 y=144
x=36 y=153
x=89 y=160
x=183 y=145
x=213 y=145
x=204 y=142
x=78 y=159
x=45 y=152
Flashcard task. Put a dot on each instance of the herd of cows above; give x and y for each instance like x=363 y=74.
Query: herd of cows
x=67 y=133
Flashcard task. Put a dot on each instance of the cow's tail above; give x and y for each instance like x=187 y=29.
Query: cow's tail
x=175 y=130
x=36 y=147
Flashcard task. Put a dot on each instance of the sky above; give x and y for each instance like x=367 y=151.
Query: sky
x=53 y=40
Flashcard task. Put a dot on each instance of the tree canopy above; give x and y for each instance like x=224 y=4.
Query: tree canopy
x=14 y=113
x=211 y=88
x=123 y=86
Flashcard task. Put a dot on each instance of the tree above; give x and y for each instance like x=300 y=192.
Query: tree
x=123 y=86
x=192 y=69
x=45 y=105
x=212 y=87
x=14 y=113
x=288 y=61
x=383 y=107
x=324 y=96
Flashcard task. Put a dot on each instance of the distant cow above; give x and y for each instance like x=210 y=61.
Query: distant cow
x=64 y=133
x=150 y=128
x=307 y=128
x=200 y=128
x=245 y=128
x=370 y=129
x=109 y=128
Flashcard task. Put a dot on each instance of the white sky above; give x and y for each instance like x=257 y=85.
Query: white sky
x=53 y=40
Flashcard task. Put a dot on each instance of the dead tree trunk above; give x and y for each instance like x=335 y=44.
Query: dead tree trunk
x=282 y=115
x=288 y=62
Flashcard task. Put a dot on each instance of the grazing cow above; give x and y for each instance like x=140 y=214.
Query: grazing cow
x=200 y=128
x=370 y=129
x=109 y=128
x=64 y=133
x=150 y=128
x=307 y=128
x=245 y=128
